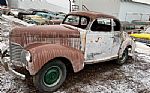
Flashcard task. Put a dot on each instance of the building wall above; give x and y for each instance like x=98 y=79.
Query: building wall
x=105 y=6
x=13 y=3
x=134 y=11
x=122 y=9
x=37 y=4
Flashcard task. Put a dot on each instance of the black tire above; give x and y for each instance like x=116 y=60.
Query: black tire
x=123 y=59
x=56 y=70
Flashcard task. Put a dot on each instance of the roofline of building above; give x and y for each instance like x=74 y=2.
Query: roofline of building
x=141 y=3
x=135 y=2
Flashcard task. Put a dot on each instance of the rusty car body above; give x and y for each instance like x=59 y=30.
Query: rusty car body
x=49 y=51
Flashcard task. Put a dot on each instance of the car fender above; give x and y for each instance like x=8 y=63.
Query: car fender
x=127 y=43
x=46 y=52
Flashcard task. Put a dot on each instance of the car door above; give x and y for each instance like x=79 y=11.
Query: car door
x=117 y=40
x=99 y=40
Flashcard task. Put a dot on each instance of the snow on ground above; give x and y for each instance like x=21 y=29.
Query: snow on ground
x=132 y=77
x=11 y=18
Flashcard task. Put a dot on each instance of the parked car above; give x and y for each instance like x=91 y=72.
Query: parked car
x=139 y=23
x=15 y=12
x=46 y=15
x=130 y=28
x=48 y=52
x=35 y=19
x=144 y=36
x=29 y=12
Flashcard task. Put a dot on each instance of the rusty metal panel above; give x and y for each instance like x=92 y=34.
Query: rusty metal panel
x=46 y=34
x=44 y=53
x=48 y=42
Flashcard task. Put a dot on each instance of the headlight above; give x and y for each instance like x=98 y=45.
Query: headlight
x=28 y=56
x=25 y=57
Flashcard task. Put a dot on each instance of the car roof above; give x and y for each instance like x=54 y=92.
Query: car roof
x=92 y=14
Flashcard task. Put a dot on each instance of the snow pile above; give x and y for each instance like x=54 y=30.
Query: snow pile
x=143 y=51
x=9 y=84
x=11 y=18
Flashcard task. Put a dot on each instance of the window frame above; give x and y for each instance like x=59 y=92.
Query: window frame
x=118 y=24
x=79 y=24
x=111 y=28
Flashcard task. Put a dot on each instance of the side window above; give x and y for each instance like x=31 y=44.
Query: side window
x=101 y=24
x=84 y=21
x=74 y=20
x=117 y=25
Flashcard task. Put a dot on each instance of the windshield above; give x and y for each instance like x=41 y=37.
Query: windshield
x=77 y=21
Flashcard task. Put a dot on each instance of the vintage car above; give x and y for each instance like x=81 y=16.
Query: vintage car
x=35 y=19
x=51 y=17
x=48 y=52
x=45 y=15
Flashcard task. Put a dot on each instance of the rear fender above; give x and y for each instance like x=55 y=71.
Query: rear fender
x=126 y=44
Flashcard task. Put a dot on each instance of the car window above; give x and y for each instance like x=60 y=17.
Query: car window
x=74 y=20
x=117 y=25
x=77 y=20
x=101 y=24
x=84 y=21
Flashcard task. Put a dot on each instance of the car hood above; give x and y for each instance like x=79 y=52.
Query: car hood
x=47 y=33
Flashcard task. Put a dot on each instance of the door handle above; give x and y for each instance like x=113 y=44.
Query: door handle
x=98 y=39
x=112 y=37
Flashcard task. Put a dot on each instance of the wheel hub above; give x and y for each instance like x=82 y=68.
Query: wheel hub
x=52 y=76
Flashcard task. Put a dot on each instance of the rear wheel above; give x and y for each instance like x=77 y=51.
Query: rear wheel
x=124 y=57
x=51 y=76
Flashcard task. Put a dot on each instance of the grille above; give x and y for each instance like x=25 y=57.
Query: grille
x=15 y=52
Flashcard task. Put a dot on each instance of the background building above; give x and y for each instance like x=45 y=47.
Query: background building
x=39 y=4
x=132 y=10
x=125 y=10
x=105 y=6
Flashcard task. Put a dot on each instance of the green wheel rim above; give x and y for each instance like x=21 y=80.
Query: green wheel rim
x=52 y=76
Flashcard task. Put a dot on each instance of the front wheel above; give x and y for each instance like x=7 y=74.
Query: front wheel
x=51 y=76
x=123 y=58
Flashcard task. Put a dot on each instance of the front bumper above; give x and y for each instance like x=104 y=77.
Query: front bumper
x=6 y=64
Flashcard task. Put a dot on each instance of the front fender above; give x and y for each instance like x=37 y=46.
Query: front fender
x=44 y=53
